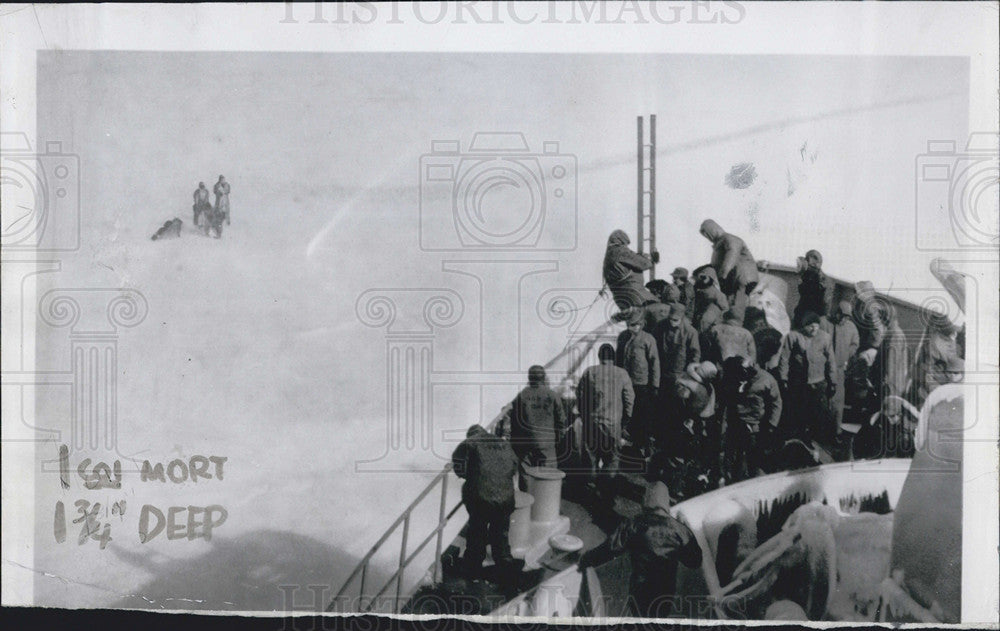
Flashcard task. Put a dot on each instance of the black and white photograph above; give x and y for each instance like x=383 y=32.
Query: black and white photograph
x=577 y=312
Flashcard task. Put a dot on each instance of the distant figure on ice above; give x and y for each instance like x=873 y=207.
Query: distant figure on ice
x=488 y=464
x=202 y=205
x=735 y=266
x=537 y=420
x=222 y=198
x=211 y=223
x=169 y=229
x=623 y=270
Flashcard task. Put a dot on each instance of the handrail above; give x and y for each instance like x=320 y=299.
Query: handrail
x=588 y=342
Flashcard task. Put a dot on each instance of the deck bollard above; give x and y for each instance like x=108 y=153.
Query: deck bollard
x=520 y=524
x=545 y=485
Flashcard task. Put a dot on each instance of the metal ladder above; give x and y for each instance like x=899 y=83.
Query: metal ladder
x=646 y=188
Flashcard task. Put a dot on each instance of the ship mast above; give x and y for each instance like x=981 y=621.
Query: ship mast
x=646 y=188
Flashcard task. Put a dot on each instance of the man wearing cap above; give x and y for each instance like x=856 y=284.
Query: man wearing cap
x=808 y=371
x=638 y=355
x=623 y=270
x=655 y=542
x=537 y=420
x=686 y=290
x=677 y=342
x=728 y=338
x=733 y=262
x=752 y=408
x=487 y=464
x=605 y=399
x=844 y=337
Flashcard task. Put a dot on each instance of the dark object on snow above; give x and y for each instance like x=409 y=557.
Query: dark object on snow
x=169 y=229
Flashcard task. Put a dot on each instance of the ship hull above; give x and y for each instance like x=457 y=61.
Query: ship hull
x=868 y=490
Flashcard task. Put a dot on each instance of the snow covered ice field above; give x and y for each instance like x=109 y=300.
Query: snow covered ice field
x=253 y=349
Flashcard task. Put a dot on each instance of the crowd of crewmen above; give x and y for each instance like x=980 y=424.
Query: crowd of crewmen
x=701 y=391
x=715 y=394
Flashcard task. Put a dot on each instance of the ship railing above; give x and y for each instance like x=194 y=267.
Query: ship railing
x=579 y=352
x=406 y=557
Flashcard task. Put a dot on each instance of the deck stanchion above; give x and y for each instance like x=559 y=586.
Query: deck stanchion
x=402 y=563
x=442 y=519
x=361 y=591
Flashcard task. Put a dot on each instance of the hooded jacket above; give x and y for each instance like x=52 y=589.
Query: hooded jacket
x=654 y=314
x=655 y=542
x=767 y=339
x=488 y=464
x=709 y=301
x=221 y=190
x=813 y=295
x=725 y=340
x=758 y=401
x=731 y=258
x=807 y=360
x=201 y=197
x=623 y=270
